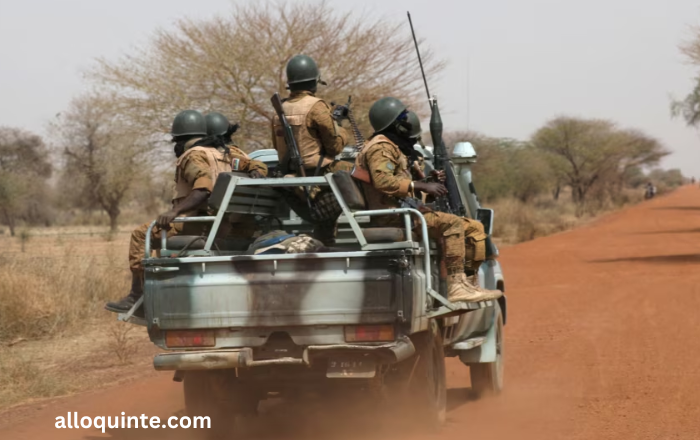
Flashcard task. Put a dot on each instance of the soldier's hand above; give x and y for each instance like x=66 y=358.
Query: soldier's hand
x=438 y=175
x=166 y=218
x=432 y=188
x=255 y=174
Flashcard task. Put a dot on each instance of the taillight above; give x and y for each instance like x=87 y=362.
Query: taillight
x=190 y=338
x=369 y=333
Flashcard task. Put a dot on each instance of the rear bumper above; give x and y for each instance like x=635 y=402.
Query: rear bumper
x=393 y=352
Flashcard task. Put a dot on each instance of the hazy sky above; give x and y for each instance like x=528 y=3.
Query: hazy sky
x=529 y=60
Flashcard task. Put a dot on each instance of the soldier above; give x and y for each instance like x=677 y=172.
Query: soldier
x=418 y=166
x=200 y=159
x=219 y=126
x=387 y=158
x=319 y=137
x=415 y=131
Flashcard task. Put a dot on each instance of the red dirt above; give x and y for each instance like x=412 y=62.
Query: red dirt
x=602 y=342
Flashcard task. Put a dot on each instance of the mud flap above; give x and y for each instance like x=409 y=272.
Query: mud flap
x=484 y=352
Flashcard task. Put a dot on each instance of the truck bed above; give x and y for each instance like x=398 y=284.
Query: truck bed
x=267 y=291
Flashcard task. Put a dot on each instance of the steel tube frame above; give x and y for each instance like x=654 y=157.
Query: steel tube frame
x=350 y=215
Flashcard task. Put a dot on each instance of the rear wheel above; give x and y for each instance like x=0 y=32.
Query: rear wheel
x=487 y=378
x=428 y=385
x=217 y=394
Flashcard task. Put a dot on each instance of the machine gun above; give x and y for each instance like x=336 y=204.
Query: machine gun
x=452 y=203
x=344 y=111
x=292 y=154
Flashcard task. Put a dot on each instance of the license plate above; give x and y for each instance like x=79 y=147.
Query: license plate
x=351 y=367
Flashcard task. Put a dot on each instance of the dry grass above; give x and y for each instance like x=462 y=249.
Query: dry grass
x=58 y=281
x=55 y=337
x=121 y=341
x=75 y=361
x=21 y=378
x=516 y=221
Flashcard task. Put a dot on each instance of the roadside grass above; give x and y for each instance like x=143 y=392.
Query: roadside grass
x=87 y=358
x=516 y=221
x=57 y=282
x=55 y=337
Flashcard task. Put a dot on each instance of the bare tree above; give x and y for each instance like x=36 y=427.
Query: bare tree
x=234 y=63
x=24 y=171
x=102 y=158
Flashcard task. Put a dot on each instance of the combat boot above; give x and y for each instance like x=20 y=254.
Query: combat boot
x=125 y=304
x=460 y=288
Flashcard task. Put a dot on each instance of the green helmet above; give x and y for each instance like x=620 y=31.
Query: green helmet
x=415 y=131
x=384 y=112
x=189 y=122
x=301 y=69
x=217 y=124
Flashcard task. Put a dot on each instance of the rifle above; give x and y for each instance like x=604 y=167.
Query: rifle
x=293 y=154
x=452 y=203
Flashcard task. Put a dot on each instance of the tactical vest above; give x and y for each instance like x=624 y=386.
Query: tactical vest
x=375 y=198
x=218 y=163
x=310 y=147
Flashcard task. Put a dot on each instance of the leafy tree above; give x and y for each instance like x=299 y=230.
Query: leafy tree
x=587 y=152
x=505 y=167
x=688 y=108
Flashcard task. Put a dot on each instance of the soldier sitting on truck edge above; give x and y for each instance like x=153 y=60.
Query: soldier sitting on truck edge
x=219 y=125
x=317 y=133
x=200 y=159
x=387 y=158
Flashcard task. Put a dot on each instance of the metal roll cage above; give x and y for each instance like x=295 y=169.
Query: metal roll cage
x=351 y=216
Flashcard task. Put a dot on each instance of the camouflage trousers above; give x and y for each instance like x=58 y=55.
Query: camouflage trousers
x=137 y=245
x=461 y=240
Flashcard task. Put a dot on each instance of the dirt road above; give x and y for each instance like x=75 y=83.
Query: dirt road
x=603 y=342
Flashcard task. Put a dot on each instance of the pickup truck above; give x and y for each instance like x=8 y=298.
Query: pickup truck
x=370 y=314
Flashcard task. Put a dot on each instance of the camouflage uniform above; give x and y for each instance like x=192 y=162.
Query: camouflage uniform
x=318 y=136
x=319 y=139
x=391 y=181
x=196 y=169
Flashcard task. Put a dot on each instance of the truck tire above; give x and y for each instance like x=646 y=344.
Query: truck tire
x=428 y=383
x=487 y=378
x=217 y=394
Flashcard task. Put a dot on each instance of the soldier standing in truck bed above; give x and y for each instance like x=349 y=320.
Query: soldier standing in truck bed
x=200 y=159
x=318 y=135
x=386 y=159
